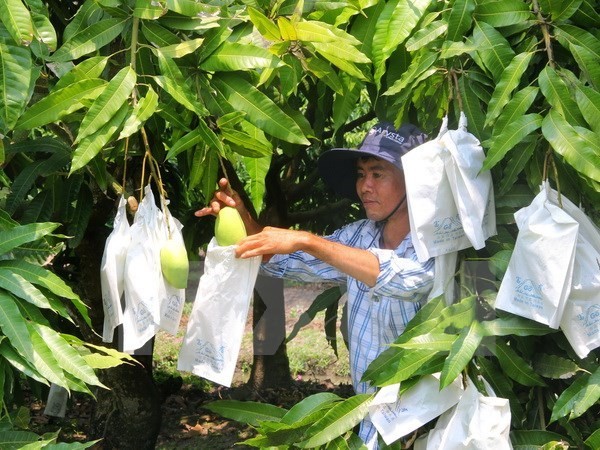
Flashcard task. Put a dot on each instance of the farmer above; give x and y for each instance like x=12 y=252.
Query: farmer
x=373 y=257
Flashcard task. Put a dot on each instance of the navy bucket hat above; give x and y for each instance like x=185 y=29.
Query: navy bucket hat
x=337 y=166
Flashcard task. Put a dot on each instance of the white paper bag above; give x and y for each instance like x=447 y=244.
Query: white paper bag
x=216 y=325
x=112 y=271
x=580 y=321
x=538 y=278
x=56 y=404
x=443 y=280
x=172 y=298
x=435 y=224
x=476 y=422
x=395 y=417
x=143 y=276
x=472 y=188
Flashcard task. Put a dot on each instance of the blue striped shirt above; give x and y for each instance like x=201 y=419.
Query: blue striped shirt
x=377 y=315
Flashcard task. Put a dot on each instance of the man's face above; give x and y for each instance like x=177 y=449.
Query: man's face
x=379 y=185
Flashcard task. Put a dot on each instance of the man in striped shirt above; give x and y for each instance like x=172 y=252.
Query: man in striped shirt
x=373 y=257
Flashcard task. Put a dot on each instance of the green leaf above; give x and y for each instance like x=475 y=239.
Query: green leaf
x=149 y=11
x=182 y=48
x=320 y=303
x=514 y=133
x=191 y=8
x=10 y=239
x=578 y=146
x=328 y=51
x=60 y=103
x=514 y=365
x=588 y=101
x=251 y=413
x=263 y=24
x=514 y=326
x=461 y=352
x=517 y=163
x=588 y=64
x=142 y=111
x=20 y=287
x=395 y=23
x=560 y=10
x=493 y=49
x=502 y=13
x=15 y=79
x=569 y=35
x=554 y=366
x=261 y=110
x=173 y=82
x=593 y=440
x=435 y=342
x=66 y=356
x=108 y=102
x=472 y=107
x=232 y=56
x=258 y=169
x=14 y=327
x=557 y=93
x=575 y=400
x=91 y=145
x=422 y=64
x=342 y=417
x=89 y=40
x=426 y=35
x=307 y=405
x=45 y=361
x=246 y=141
x=41 y=277
x=532 y=439
x=517 y=106
x=16 y=18
x=326 y=73
x=508 y=82
x=89 y=68
x=460 y=19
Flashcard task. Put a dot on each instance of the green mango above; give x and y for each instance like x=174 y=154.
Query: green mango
x=229 y=227
x=174 y=263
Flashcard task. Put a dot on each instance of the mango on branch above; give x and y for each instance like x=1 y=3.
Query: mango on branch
x=174 y=263
x=229 y=227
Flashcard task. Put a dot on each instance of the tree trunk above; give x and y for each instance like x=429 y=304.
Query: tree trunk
x=128 y=415
x=271 y=367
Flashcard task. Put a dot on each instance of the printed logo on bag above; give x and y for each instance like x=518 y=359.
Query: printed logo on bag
x=207 y=353
x=173 y=307
x=590 y=318
x=447 y=229
x=529 y=292
x=143 y=317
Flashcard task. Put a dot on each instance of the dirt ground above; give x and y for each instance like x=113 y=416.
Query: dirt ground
x=186 y=424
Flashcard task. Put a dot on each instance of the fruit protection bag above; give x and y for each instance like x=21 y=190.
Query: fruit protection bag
x=397 y=416
x=216 y=325
x=172 y=298
x=580 y=321
x=477 y=421
x=143 y=276
x=112 y=271
x=450 y=199
x=472 y=188
x=434 y=220
x=538 y=278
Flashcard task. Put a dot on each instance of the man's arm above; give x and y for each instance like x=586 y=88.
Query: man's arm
x=357 y=263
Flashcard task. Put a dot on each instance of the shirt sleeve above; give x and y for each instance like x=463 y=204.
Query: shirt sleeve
x=402 y=277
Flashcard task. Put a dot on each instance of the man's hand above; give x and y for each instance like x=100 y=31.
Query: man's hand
x=224 y=196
